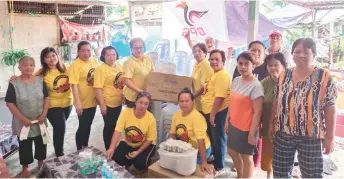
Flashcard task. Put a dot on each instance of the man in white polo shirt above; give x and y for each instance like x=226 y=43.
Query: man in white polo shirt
x=275 y=45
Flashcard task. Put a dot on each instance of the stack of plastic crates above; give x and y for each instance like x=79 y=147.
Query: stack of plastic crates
x=165 y=120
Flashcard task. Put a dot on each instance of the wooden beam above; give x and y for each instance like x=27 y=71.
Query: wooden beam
x=66 y=2
x=131 y=17
x=253 y=21
x=83 y=15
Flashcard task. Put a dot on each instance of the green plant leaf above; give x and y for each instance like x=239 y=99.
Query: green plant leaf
x=11 y=58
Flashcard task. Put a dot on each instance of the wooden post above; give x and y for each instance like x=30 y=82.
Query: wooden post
x=314 y=30
x=58 y=25
x=131 y=17
x=253 y=20
x=331 y=47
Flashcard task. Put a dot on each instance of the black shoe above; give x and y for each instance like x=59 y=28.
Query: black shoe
x=60 y=154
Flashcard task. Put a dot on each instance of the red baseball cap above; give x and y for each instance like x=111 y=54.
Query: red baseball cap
x=275 y=33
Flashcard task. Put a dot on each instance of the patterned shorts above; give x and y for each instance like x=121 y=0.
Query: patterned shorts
x=310 y=156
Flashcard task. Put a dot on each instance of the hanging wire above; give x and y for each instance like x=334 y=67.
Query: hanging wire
x=11 y=13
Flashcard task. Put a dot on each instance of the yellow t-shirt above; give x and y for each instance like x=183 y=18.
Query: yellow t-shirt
x=137 y=71
x=59 y=89
x=201 y=74
x=136 y=131
x=81 y=74
x=190 y=128
x=109 y=79
x=218 y=86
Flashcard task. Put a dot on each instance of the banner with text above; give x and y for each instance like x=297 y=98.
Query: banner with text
x=199 y=17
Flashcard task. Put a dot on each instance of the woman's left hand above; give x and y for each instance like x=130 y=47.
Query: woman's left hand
x=212 y=120
x=251 y=139
x=328 y=145
x=41 y=119
x=132 y=155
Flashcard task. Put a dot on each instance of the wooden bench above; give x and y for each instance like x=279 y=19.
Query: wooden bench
x=155 y=171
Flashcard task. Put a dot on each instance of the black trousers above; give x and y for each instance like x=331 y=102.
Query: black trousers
x=85 y=122
x=57 y=118
x=25 y=150
x=110 y=120
x=140 y=162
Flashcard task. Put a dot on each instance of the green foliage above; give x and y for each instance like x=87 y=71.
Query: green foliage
x=122 y=11
x=11 y=58
x=64 y=53
x=279 y=3
x=338 y=49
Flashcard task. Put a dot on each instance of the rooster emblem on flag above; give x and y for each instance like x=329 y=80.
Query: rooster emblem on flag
x=190 y=15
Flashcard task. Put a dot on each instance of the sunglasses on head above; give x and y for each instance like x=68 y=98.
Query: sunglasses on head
x=144 y=93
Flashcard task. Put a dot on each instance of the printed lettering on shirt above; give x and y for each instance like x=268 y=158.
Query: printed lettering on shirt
x=182 y=133
x=134 y=134
x=117 y=83
x=61 y=84
x=90 y=77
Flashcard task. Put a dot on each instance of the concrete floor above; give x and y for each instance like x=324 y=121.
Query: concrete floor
x=96 y=139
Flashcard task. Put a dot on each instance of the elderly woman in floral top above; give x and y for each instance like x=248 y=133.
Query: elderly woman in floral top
x=304 y=104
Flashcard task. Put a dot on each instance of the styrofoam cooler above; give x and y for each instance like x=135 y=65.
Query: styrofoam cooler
x=182 y=163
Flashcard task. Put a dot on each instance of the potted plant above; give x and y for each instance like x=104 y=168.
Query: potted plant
x=11 y=58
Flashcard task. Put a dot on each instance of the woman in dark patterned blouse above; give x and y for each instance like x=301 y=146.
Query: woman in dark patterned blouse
x=304 y=104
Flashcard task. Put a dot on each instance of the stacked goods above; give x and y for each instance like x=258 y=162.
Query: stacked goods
x=107 y=172
x=88 y=163
x=89 y=166
x=176 y=146
x=178 y=156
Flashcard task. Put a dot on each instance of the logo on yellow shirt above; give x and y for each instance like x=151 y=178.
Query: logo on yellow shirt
x=182 y=133
x=205 y=86
x=117 y=83
x=134 y=135
x=61 y=84
x=90 y=77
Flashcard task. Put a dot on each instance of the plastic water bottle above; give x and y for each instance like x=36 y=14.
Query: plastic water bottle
x=103 y=171
x=108 y=172
x=115 y=174
x=111 y=173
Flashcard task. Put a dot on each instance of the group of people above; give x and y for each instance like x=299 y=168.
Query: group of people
x=263 y=115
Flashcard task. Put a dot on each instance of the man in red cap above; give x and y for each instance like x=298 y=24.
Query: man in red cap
x=275 y=45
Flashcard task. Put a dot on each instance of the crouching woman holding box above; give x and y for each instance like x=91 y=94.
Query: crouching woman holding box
x=190 y=126
x=139 y=126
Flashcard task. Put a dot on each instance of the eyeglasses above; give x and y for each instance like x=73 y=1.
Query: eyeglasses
x=137 y=48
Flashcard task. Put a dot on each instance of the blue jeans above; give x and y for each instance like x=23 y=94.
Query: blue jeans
x=218 y=138
x=207 y=155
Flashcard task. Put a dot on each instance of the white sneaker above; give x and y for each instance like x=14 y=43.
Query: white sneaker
x=220 y=172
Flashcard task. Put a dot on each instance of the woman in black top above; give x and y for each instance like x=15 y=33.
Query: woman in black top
x=258 y=49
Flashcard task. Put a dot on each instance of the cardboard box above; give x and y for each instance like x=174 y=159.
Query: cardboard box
x=165 y=87
x=155 y=171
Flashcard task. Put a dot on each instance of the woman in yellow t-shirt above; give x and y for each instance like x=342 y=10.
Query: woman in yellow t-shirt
x=139 y=127
x=81 y=78
x=201 y=72
x=215 y=100
x=56 y=78
x=190 y=126
x=108 y=85
x=136 y=69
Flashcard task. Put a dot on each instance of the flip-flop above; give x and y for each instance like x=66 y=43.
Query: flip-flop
x=330 y=164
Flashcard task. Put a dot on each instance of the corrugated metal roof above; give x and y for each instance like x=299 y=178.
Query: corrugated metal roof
x=317 y=4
